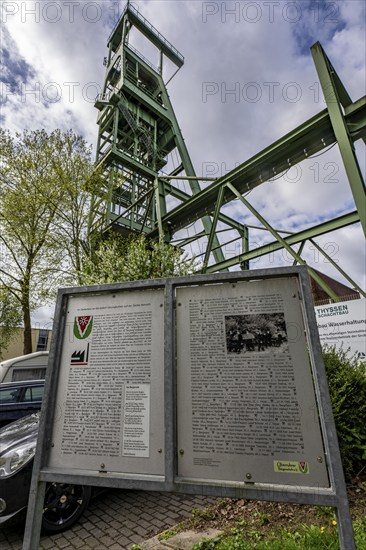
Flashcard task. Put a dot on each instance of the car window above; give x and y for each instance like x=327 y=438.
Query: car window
x=37 y=393
x=9 y=395
x=34 y=393
x=28 y=374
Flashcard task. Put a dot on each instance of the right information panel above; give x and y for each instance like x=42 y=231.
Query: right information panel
x=246 y=402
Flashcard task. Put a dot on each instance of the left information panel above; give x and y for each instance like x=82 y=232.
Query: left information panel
x=109 y=412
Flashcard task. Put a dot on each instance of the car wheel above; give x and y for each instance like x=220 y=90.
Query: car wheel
x=63 y=506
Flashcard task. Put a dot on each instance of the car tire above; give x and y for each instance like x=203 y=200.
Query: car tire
x=63 y=505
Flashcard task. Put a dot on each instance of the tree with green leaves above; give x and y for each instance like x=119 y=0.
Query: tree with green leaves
x=26 y=215
x=118 y=259
x=51 y=200
x=82 y=205
x=49 y=192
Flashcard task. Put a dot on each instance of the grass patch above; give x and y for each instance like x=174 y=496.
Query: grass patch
x=248 y=525
x=166 y=535
x=306 y=537
x=202 y=515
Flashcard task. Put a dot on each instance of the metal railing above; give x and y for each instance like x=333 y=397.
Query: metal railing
x=149 y=26
x=142 y=57
x=103 y=98
x=326 y=301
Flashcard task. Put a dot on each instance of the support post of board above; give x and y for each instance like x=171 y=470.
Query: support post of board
x=33 y=525
x=170 y=388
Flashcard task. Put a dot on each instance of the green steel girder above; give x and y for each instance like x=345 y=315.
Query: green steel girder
x=309 y=138
x=159 y=208
x=301 y=248
x=115 y=153
x=332 y=89
x=212 y=231
x=106 y=122
x=148 y=209
x=237 y=238
x=166 y=139
x=282 y=241
x=137 y=202
x=188 y=240
x=284 y=244
x=123 y=224
x=245 y=247
x=178 y=170
x=183 y=242
x=183 y=196
x=264 y=229
x=190 y=171
x=147 y=101
x=331 y=261
x=356 y=133
x=315 y=231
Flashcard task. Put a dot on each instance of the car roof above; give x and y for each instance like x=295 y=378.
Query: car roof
x=35 y=355
x=22 y=383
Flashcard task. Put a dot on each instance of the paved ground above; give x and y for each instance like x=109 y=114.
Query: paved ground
x=115 y=520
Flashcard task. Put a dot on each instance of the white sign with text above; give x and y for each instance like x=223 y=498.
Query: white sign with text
x=344 y=325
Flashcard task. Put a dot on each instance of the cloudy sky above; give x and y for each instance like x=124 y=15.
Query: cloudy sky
x=248 y=79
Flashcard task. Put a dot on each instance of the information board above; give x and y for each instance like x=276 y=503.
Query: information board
x=109 y=404
x=208 y=384
x=343 y=325
x=246 y=402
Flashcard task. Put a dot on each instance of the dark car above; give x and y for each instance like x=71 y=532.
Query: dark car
x=18 y=399
x=63 y=504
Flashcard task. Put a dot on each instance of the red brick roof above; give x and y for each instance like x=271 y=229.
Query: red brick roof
x=338 y=288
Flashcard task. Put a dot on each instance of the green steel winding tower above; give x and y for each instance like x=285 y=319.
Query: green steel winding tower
x=138 y=130
x=139 y=138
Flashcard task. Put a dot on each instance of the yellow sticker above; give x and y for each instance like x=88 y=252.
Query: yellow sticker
x=291 y=467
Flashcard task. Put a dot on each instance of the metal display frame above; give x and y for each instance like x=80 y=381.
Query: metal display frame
x=335 y=495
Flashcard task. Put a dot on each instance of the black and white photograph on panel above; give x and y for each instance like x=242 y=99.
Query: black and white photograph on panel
x=264 y=332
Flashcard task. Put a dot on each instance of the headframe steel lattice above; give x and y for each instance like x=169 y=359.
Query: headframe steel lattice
x=153 y=185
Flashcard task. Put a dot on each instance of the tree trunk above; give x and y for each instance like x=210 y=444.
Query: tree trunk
x=27 y=335
x=27 y=342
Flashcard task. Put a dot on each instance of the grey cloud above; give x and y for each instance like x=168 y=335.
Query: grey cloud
x=15 y=70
